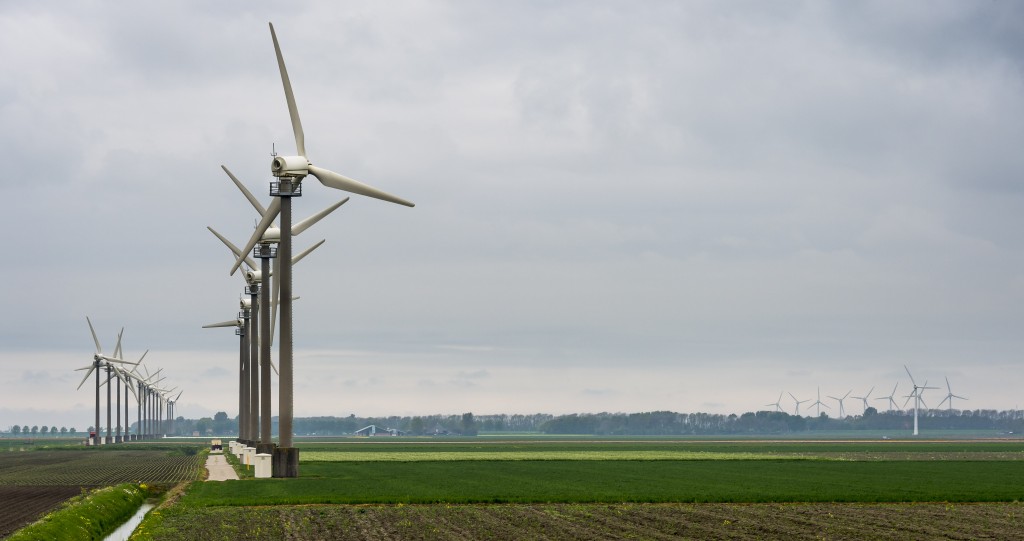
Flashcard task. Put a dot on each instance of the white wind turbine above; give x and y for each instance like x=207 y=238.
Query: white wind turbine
x=818 y=403
x=798 y=402
x=777 y=403
x=864 y=398
x=99 y=361
x=261 y=323
x=891 y=398
x=916 y=395
x=949 y=396
x=290 y=170
x=842 y=412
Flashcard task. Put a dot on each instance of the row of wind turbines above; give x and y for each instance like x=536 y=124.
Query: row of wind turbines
x=268 y=294
x=915 y=395
x=155 y=407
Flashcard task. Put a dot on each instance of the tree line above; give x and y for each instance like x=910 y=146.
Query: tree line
x=777 y=422
x=35 y=430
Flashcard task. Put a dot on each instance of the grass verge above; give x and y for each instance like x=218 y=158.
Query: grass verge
x=89 y=516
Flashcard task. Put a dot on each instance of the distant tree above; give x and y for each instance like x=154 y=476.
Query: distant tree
x=44 y=430
x=416 y=426
x=221 y=423
x=63 y=430
x=204 y=426
x=870 y=412
x=468 y=425
x=72 y=431
x=53 y=430
x=35 y=429
x=16 y=429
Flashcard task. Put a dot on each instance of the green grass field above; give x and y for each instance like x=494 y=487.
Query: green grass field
x=636 y=470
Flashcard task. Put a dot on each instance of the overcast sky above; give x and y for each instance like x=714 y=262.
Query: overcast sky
x=620 y=206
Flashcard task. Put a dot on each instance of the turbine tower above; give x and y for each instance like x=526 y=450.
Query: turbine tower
x=290 y=170
x=916 y=395
x=262 y=320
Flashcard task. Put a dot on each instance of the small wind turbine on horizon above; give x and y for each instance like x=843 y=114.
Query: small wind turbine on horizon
x=777 y=403
x=891 y=398
x=818 y=403
x=842 y=412
x=864 y=398
x=100 y=361
x=949 y=396
x=797 y=403
x=916 y=395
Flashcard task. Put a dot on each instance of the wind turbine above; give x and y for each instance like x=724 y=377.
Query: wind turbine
x=842 y=412
x=290 y=170
x=798 y=402
x=819 y=403
x=865 y=397
x=777 y=403
x=916 y=395
x=99 y=361
x=244 y=367
x=260 y=324
x=949 y=396
x=891 y=398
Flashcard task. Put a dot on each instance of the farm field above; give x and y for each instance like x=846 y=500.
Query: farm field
x=34 y=482
x=23 y=504
x=652 y=488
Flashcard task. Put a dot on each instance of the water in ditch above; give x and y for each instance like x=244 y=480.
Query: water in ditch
x=126 y=529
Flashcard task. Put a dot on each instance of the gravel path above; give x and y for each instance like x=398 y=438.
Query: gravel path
x=219 y=468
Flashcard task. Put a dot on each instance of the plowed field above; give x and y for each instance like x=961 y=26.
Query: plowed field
x=1003 y=521
x=33 y=483
x=24 y=504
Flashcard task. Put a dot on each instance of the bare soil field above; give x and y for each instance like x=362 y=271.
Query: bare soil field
x=1003 y=521
x=96 y=468
x=22 y=505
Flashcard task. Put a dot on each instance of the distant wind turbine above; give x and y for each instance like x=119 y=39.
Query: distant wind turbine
x=950 y=396
x=818 y=403
x=891 y=398
x=777 y=403
x=842 y=412
x=865 y=398
x=797 y=403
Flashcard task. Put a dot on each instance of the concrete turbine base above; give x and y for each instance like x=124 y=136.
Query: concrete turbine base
x=286 y=462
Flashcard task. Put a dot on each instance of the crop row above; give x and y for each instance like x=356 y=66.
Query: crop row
x=620 y=481
x=536 y=454
x=595 y=521
x=24 y=504
x=86 y=468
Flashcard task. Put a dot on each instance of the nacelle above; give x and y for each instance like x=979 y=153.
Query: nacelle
x=271 y=235
x=253 y=277
x=290 y=166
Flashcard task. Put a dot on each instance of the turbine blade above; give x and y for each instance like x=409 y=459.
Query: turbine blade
x=307 y=251
x=305 y=224
x=94 y=339
x=911 y=377
x=229 y=323
x=87 y=374
x=245 y=191
x=272 y=211
x=140 y=359
x=117 y=348
x=179 y=396
x=340 y=182
x=293 y=111
x=234 y=249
